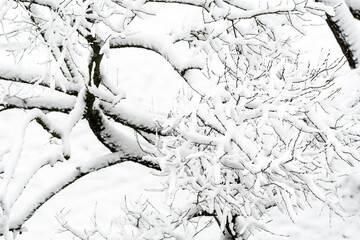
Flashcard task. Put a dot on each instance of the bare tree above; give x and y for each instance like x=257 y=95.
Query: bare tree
x=257 y=130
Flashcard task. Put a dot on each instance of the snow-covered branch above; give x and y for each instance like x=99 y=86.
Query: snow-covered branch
x=31 y=77
x=62 y=104
x=246 y=146
x=354 y=8
x=255 y=127
x=27 y=210
x=131 y=117
x=343 y=24
x=161 y=46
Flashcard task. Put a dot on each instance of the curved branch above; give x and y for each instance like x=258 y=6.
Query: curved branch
x=181 y=63
x=107 y=133
x=17 y=221
x=47 y=104
x=33 y=79
x=136 y=119
x=164 y=48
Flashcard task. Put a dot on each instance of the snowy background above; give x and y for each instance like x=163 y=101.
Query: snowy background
x=152 y=85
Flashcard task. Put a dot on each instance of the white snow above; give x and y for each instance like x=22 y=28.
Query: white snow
x=153 y=87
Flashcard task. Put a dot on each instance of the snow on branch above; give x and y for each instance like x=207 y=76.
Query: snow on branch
x=10 y=166
x=33 y=77
x=131 y=117
x=46 y=3
x=268 y=141
x=52 y=103
x=344 y=27
x=233 y=10
x=17 y=220
x=106 y=132
x=257 y=128
x=140 y=219
x=354 y=8
x=129 y=151
x=162 y=46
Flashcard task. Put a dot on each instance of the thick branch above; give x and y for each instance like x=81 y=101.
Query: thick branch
x=142 y=122
x=30 y=78
x=138 y=120
x=95 y=61
x=341 y=38
x=96 y=122
x=110 y=136
x=46 y=104
x=164 y=48
x=342 y=26
x=94 y=165
x=354 y=6
x=355 y=13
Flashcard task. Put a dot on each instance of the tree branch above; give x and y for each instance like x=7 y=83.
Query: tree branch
x=158 y=45
x=17 y=221
x=341 y=25
x=341 y=38
x=46 y=104
x=29 y=78
x=136 y=119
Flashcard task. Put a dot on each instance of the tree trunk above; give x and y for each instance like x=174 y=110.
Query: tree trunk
x=343 y=26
